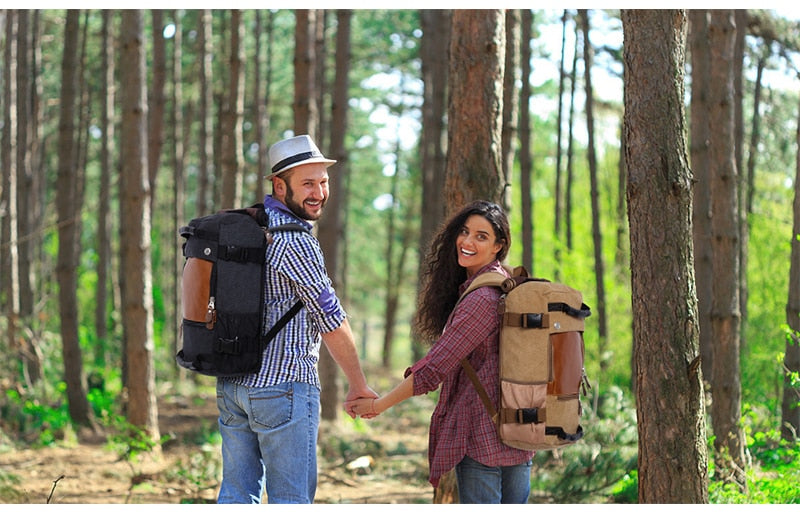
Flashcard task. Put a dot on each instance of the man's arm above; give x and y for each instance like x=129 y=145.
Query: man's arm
x=342 y=346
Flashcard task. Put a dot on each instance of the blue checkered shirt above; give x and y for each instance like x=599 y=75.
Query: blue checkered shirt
x=295 y=269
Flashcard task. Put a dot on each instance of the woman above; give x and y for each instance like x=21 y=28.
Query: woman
x=462 y=435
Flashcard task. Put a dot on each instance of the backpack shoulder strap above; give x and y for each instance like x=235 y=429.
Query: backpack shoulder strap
x=490 y=279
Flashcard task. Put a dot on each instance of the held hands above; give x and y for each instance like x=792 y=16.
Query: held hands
x=366 y=394
x=364 y=407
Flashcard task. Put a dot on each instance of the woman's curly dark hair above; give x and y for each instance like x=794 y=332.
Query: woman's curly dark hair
x=442 y=274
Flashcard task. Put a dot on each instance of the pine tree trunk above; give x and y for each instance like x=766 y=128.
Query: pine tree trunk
x=525 y=160
x=669 y=390
x=68 y=206
x=331 y=225
x=701 y=211
x=790 y=407
x=477 y=56
x=232 y=113
x=725 y=314
x=135 y=266
x=510 y=103
x=305 y=105
x=597 y=236
x=206 y=116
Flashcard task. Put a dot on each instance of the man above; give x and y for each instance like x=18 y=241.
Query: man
x=269 y=420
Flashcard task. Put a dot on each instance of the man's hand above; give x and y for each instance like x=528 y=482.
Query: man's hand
x=354 y=395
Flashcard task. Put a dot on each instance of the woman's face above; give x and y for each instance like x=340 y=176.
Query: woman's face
x=476 y=244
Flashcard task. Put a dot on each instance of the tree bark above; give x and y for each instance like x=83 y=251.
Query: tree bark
x=137 y=297
x=433 y=55
x=68 y=206
x=525 y=150
x=156 y=103
x=725 y=313
x=331 y=225
x=305 y=105
x=669 y=389
x=477 y=56
x=701 y=202
x=570 y=142
x=558 y=204
x=10 y=248
x=597 y=236
x=790 y=405
x=206 y=170
x=104 y=220
x=475 y=117
x=233 y=111
x=178 y=188
x=510 y=103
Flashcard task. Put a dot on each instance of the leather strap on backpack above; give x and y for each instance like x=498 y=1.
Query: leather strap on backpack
x=479 y=388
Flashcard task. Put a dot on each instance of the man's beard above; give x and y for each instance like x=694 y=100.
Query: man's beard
x=298 y=208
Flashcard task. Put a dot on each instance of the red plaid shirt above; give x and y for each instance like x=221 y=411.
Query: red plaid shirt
x=460 y=424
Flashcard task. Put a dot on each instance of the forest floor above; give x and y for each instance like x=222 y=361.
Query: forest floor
x=383 y=460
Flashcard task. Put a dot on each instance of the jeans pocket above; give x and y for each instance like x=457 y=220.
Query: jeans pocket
x=225 y=414
x=271 y=407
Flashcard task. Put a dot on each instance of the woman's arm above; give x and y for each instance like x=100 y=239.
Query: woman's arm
x=371 y=407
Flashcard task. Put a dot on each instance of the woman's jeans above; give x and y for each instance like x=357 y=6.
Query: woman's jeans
x=492 y=484
x=269 y=441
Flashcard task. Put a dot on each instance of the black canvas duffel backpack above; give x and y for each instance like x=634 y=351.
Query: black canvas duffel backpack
x=222 y=288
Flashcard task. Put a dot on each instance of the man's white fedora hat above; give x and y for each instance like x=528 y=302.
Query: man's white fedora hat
x=290 y=153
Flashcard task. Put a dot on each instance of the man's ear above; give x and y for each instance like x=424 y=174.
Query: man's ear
x=279 y=186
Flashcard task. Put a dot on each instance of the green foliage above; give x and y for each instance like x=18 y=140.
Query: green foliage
x=590 y=470
x=11 y=490
x=772 y=478
x=627 y=489
x=200 y=470
x=35 y=421
x=130 y=441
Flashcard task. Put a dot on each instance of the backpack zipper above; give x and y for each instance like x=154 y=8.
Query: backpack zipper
x=211 y=314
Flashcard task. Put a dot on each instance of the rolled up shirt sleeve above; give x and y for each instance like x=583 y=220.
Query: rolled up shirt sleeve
x=304 y=267
x=472 y=323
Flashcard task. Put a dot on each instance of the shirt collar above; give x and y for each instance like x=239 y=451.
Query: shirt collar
x=277 y=205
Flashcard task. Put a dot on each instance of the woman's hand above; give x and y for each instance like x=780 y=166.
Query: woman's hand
x=364 y=407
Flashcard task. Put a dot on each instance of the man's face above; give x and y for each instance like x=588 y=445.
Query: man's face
x=306 y=190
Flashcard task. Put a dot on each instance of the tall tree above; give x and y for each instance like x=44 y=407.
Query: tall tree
x=672 y=458
x=701 y=200
x=558 y=208
x=475 y=116
x=232 y=114
x=26 y=194
x=261 y=99
x=178 y=160
x=68 y=206
x=571 y=141
x=790 y=405
x=305 y=62
x=331 y=225
x=156 y=100
x=725 y=308
x=740 y=20
x=433 y=56
x=136 y=276
x=477 y=57
x=525 y=157
x=104 y=221
x=510 y=102
x=597 y=236
x=10 y=247
x=206 y=114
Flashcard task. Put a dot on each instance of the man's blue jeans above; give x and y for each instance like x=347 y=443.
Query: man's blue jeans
x=269 y=441
x=492 y=484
